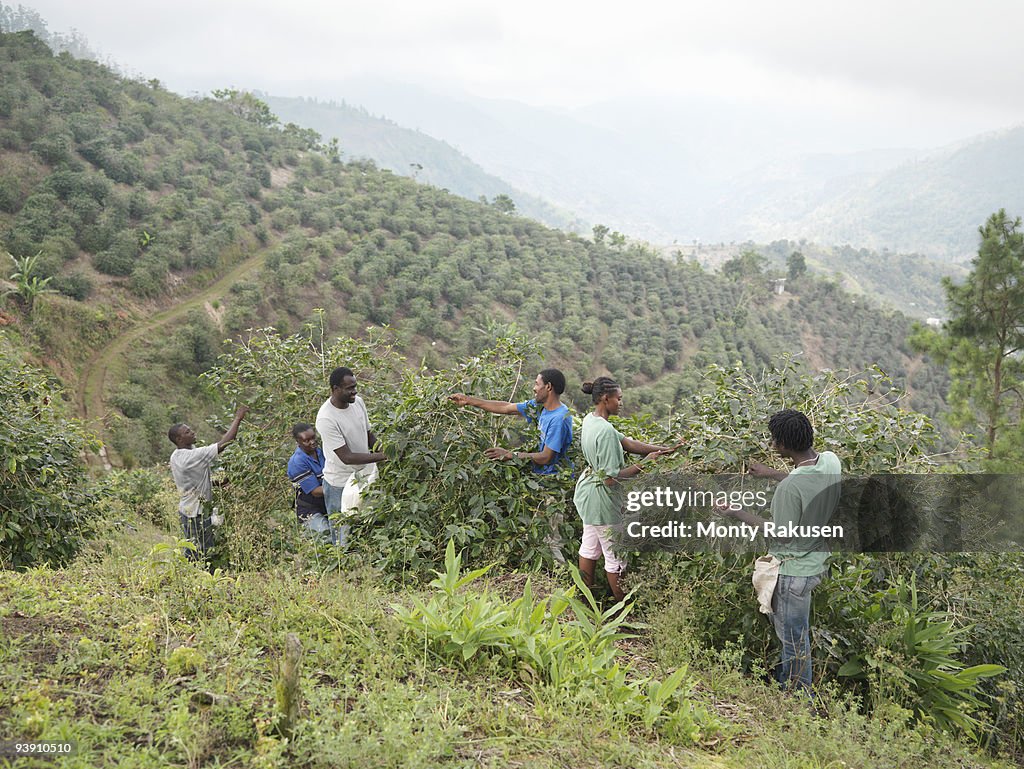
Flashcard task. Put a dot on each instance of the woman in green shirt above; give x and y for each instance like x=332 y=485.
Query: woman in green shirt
x=598 y=495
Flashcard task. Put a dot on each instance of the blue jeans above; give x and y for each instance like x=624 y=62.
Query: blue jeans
x=336 y=532
x=791 y=611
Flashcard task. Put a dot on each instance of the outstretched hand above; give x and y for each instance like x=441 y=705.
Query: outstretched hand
x=726 y=509
x=459 y=399
x=759 y=470
x=664 y=451
x=496 y=453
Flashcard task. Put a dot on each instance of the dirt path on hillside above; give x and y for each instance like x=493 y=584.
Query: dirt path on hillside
x=107 y=366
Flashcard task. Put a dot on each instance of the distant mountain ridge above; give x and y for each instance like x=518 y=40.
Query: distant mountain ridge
x=412 y=153
x=769 y=202
x=934 y=204
x=673 y=175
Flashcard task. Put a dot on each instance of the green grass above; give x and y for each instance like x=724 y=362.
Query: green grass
x=148 y=661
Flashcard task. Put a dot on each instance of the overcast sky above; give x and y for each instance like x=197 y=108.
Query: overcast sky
x=909 y=72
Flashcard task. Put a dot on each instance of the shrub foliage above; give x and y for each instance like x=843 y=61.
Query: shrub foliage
x=45 y=502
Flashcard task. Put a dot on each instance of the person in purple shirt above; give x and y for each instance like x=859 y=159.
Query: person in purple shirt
x=306 y=472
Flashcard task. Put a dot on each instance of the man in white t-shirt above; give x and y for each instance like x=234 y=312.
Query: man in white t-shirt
x=190 y=468
x=348 y=442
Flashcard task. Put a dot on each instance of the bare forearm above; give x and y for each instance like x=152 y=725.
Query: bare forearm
x=748 y=517
x=231 y=434
x=494 y=407
x=627 y=472
x=357 y=458
x=540 y=458
x=759 y=470
x=636 y=447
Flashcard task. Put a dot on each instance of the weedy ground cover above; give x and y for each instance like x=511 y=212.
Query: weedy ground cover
x=146 y=661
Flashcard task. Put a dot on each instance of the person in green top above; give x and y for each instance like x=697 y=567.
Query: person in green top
x=806 y=496
x=598 y=495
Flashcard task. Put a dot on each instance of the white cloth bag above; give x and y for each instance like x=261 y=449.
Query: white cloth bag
x=351 y=494
x=765 y=577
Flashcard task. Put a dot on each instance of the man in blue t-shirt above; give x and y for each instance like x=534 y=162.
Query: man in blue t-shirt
x=547 y=410
x=306 y=472
x=555 y=423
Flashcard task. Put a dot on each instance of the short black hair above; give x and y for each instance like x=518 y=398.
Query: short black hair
x=792 y=429
x=555 y=378
x=603 y=385
x=172 y=434
x=339 y=374
x=300 y=428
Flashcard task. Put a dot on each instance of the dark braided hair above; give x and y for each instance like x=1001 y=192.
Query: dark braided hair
x=792 y=429
x=603 y=385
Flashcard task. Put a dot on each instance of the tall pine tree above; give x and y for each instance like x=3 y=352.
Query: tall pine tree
x=982 y=343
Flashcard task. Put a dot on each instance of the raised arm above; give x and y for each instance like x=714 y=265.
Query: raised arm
x=494 y=407
x=232 y=432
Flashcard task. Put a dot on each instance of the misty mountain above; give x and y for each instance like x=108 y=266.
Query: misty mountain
x=412 y=153
x=601 y=175
x=712 y=170
x=932 y=204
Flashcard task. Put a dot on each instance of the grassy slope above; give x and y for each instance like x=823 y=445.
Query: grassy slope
x=147 y=661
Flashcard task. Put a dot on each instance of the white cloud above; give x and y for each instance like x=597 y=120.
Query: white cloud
x=906 y=59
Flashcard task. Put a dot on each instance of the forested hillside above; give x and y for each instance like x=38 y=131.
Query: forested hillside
x=135 y=199
x=412 y=153
x=909 y=282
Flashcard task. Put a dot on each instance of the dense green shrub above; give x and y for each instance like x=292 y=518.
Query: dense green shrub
x=76 y=285
x=926 y=648
x=140 y=494
x=439 y=486
x=46 y=507
x=436 y=486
